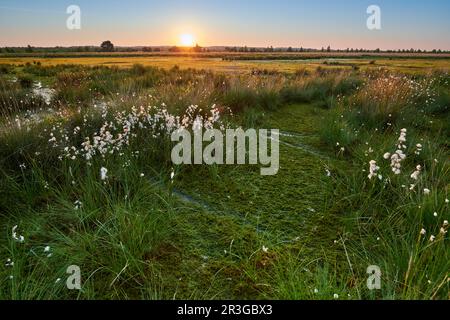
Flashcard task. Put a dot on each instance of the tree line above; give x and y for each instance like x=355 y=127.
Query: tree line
x=108 y=46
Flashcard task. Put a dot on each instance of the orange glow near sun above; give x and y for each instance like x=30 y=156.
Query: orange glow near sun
x=187 y=40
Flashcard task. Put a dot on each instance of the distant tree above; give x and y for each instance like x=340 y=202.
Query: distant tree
x=174 y=49
x=29 y=48
x=197 y=48
x=147 y=49
x=107 y=46
x=328 y=49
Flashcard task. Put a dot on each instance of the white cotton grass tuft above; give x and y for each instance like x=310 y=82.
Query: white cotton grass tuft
x=15 y=236
x=9 y=263
x=373 y=170
x=172 y=176
x=402 y=139
x=426 y=191
x=47 y=250
x=418 y=149
x=103 y=173
x=396 y=160
x=415 y=174
x=78 y=204
x=398 y=156
x=120 y=128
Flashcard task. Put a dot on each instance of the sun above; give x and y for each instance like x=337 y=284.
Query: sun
x=187 y=40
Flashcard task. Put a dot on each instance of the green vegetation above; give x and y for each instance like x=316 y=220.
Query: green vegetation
x=240 y=62
x=88 y=181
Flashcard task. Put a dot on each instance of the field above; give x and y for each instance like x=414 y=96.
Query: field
x=243 y=63
x=87 y=177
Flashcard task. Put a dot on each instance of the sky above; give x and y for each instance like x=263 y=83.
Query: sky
x=405 y=24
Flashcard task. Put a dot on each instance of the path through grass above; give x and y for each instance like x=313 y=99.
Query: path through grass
x=258 y=229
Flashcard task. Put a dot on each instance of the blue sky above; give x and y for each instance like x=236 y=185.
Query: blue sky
x=339 y=23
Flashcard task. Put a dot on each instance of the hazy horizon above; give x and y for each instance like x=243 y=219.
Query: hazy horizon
x=405 y=24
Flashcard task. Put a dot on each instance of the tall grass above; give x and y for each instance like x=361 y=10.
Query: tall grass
x=128 y=231
x=394 y=221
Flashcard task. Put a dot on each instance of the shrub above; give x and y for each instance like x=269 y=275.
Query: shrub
x=5 y=68
x=240 y=98
x=25 y=81
x=269 y=99
x=295 y=95
x=383 y=99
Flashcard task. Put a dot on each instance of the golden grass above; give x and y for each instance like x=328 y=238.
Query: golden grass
x=217 y=64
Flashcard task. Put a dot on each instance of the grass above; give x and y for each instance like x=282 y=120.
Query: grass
x=222 y=232
x=244 y=63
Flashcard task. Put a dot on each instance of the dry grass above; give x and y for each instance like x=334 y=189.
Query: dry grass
x=239 y=64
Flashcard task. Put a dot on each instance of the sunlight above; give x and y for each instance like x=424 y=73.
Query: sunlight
x=187 y=40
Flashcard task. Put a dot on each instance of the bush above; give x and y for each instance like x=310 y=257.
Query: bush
x=269 y=99
x=333 y=130
x=383 y=100
x=240 y=98
x=138 y=70
x=25 y=81
x=295 y=95
x=5 y=68
x=441 y=104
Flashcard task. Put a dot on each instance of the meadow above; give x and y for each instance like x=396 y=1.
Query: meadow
x=87 y=178
x=243 y=62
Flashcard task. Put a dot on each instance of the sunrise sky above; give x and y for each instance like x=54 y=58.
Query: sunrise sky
x=340 y=24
